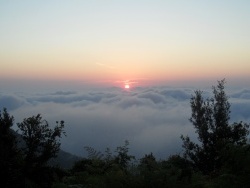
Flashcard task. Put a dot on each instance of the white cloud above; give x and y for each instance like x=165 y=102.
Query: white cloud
x=11 y=101
x=152 y=119
x=244 y=94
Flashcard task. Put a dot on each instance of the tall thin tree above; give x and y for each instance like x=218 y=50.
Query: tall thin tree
x=210 y=118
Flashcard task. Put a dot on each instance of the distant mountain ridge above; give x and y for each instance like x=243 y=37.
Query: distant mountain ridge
x=64 y=160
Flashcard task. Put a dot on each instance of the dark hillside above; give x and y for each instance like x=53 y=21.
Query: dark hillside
x=63 y=160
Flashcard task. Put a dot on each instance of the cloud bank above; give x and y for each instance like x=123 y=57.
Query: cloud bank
x=152 y=119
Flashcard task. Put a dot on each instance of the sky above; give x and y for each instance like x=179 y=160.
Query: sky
x=110 y=42
x=71 y=60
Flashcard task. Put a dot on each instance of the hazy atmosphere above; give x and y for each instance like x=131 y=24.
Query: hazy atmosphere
x=122 y=70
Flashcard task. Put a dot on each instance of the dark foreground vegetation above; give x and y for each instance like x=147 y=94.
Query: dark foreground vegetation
x=221 y=158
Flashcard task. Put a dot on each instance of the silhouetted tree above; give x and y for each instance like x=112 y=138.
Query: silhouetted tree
x=148 y=162
x=210 y=118
x=183 y=165
x=9 y=154
x=93 y=154
x=123 y=158
x=41 y=144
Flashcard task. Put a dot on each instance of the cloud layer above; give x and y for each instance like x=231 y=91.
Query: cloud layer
x=152 y=119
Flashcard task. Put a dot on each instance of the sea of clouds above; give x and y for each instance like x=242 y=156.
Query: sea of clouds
x=152 y=119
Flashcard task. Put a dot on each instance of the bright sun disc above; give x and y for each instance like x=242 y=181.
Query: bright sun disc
x=126 y=86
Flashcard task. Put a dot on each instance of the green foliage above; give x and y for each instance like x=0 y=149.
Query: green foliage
x=175 y=172
x=103 y=170
x=236 y=167
x=210 y=118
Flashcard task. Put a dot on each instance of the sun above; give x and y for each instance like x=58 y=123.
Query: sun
x=126 y=86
